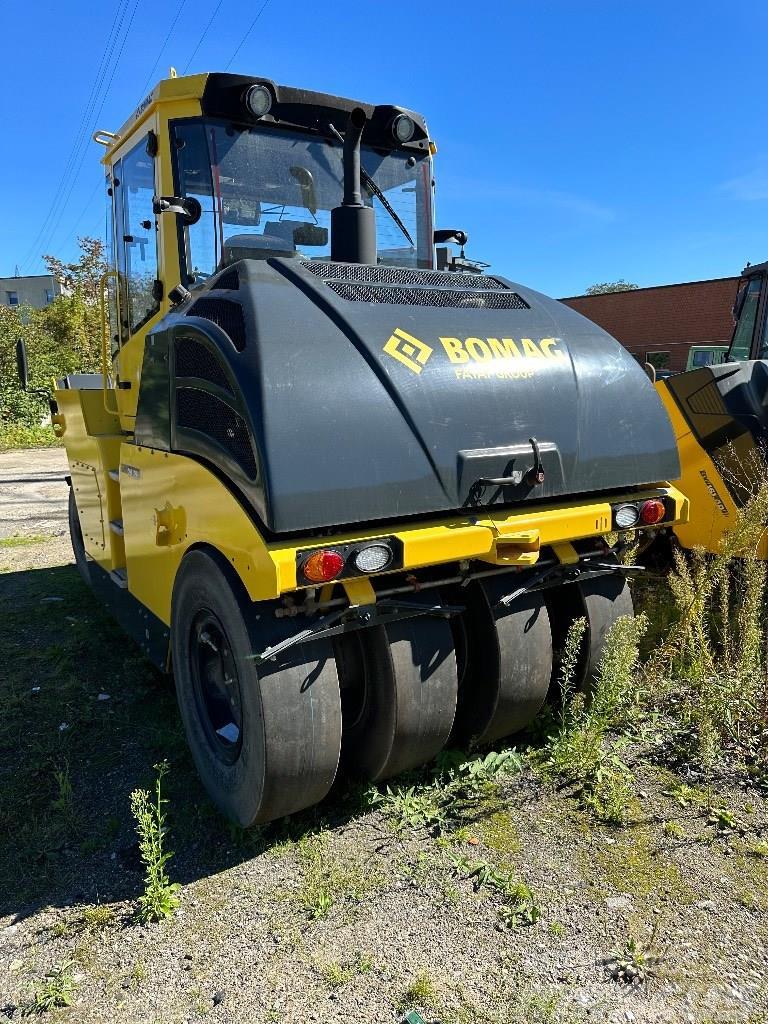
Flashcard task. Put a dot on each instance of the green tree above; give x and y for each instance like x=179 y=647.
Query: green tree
x=611 y=286
x=65 y=337
x=83 y=276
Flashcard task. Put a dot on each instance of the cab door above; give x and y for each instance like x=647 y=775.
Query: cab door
x=746 y=340
x=136 y=247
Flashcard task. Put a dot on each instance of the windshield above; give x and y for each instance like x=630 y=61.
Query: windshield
x=270 y=192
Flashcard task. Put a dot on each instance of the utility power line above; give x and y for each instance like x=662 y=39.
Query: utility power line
x=162 y=48
x=90 y=102
x=242 y=41
x=96 y=116
x=202 y=37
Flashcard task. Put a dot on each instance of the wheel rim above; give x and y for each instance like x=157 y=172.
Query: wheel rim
x=216 y=686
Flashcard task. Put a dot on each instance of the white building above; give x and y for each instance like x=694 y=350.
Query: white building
x=36 y=291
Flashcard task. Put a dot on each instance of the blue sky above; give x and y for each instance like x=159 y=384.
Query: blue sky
x=578 y=141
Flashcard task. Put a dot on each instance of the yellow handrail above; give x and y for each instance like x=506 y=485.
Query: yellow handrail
x=104 y=332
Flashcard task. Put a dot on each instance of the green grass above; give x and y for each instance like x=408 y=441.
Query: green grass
x=14 y=436
x=21 y=541
x=97 y=917
x=420 y=992
x=330 y=877
x=336 y=975
x=54 y=797
x=55 y=990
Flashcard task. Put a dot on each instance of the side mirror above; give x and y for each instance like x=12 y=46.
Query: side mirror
x=443 y=235
x=22 y=364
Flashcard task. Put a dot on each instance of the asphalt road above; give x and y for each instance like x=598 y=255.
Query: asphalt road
x=33 y=493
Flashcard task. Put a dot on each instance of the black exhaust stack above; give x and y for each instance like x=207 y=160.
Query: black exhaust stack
x=353 y=224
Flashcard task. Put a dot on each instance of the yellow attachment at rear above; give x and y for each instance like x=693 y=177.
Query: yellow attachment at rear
x=715 y=511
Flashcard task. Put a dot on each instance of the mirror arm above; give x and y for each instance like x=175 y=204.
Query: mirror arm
x=186 y=207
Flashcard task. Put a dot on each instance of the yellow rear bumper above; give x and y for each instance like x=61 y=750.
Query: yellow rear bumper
x=500 y=538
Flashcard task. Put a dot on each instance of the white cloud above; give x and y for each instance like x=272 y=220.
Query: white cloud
x=528 y=196
x=749 y=187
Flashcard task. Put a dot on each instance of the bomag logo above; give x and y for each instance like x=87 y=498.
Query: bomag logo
x=408 y=350
x=478 y=358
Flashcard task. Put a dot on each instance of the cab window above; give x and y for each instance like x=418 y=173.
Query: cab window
x=763 y=350
x=111 y=257
x=137 y=238
x=745 y=328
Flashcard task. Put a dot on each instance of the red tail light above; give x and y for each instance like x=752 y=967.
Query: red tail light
x=323 y=566
x=652 y=512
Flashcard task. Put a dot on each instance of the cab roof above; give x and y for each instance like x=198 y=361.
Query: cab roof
x=223 y=96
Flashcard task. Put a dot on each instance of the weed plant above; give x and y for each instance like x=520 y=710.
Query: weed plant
x=716 y=655
x=56 y=989
x=634 y=963
x=462 y=788
x=159 y=898
x=579 y=752
x=518 y=907
x=328 y=879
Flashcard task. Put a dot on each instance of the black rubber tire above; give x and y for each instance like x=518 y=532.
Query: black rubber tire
x=290 y=709
x=605 y=599
x=76 y=537
x=505 y=656
x=402 y=682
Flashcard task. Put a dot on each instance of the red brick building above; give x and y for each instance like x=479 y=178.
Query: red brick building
x=660 y=324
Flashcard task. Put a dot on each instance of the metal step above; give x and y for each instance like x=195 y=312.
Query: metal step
x=120 y=577
x=114 y=474
x=116 y=526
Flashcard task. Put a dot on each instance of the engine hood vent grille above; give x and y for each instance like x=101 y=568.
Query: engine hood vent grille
x=225 y=314
x=402 y=286
x=361 y=274
x=470 y=299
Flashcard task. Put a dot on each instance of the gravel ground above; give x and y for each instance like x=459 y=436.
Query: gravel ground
x=33 y=503
x=334 y=915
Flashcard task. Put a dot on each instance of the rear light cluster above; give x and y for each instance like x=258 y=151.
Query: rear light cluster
x=630 y=515
x=344 y=560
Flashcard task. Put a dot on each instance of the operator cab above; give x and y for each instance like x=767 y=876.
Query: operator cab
x=264 y=169
x=750 y=310
x=216 y=169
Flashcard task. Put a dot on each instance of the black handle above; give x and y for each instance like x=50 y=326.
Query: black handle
x=532 y=476
x=535 y=474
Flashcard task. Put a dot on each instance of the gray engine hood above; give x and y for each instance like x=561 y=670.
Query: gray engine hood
x=364 y=407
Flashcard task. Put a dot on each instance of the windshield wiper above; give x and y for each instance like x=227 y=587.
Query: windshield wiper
x=374 y=189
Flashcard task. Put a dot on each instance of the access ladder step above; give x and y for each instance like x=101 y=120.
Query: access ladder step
x=120 y=577
x=114 y=474
x=116 y=526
